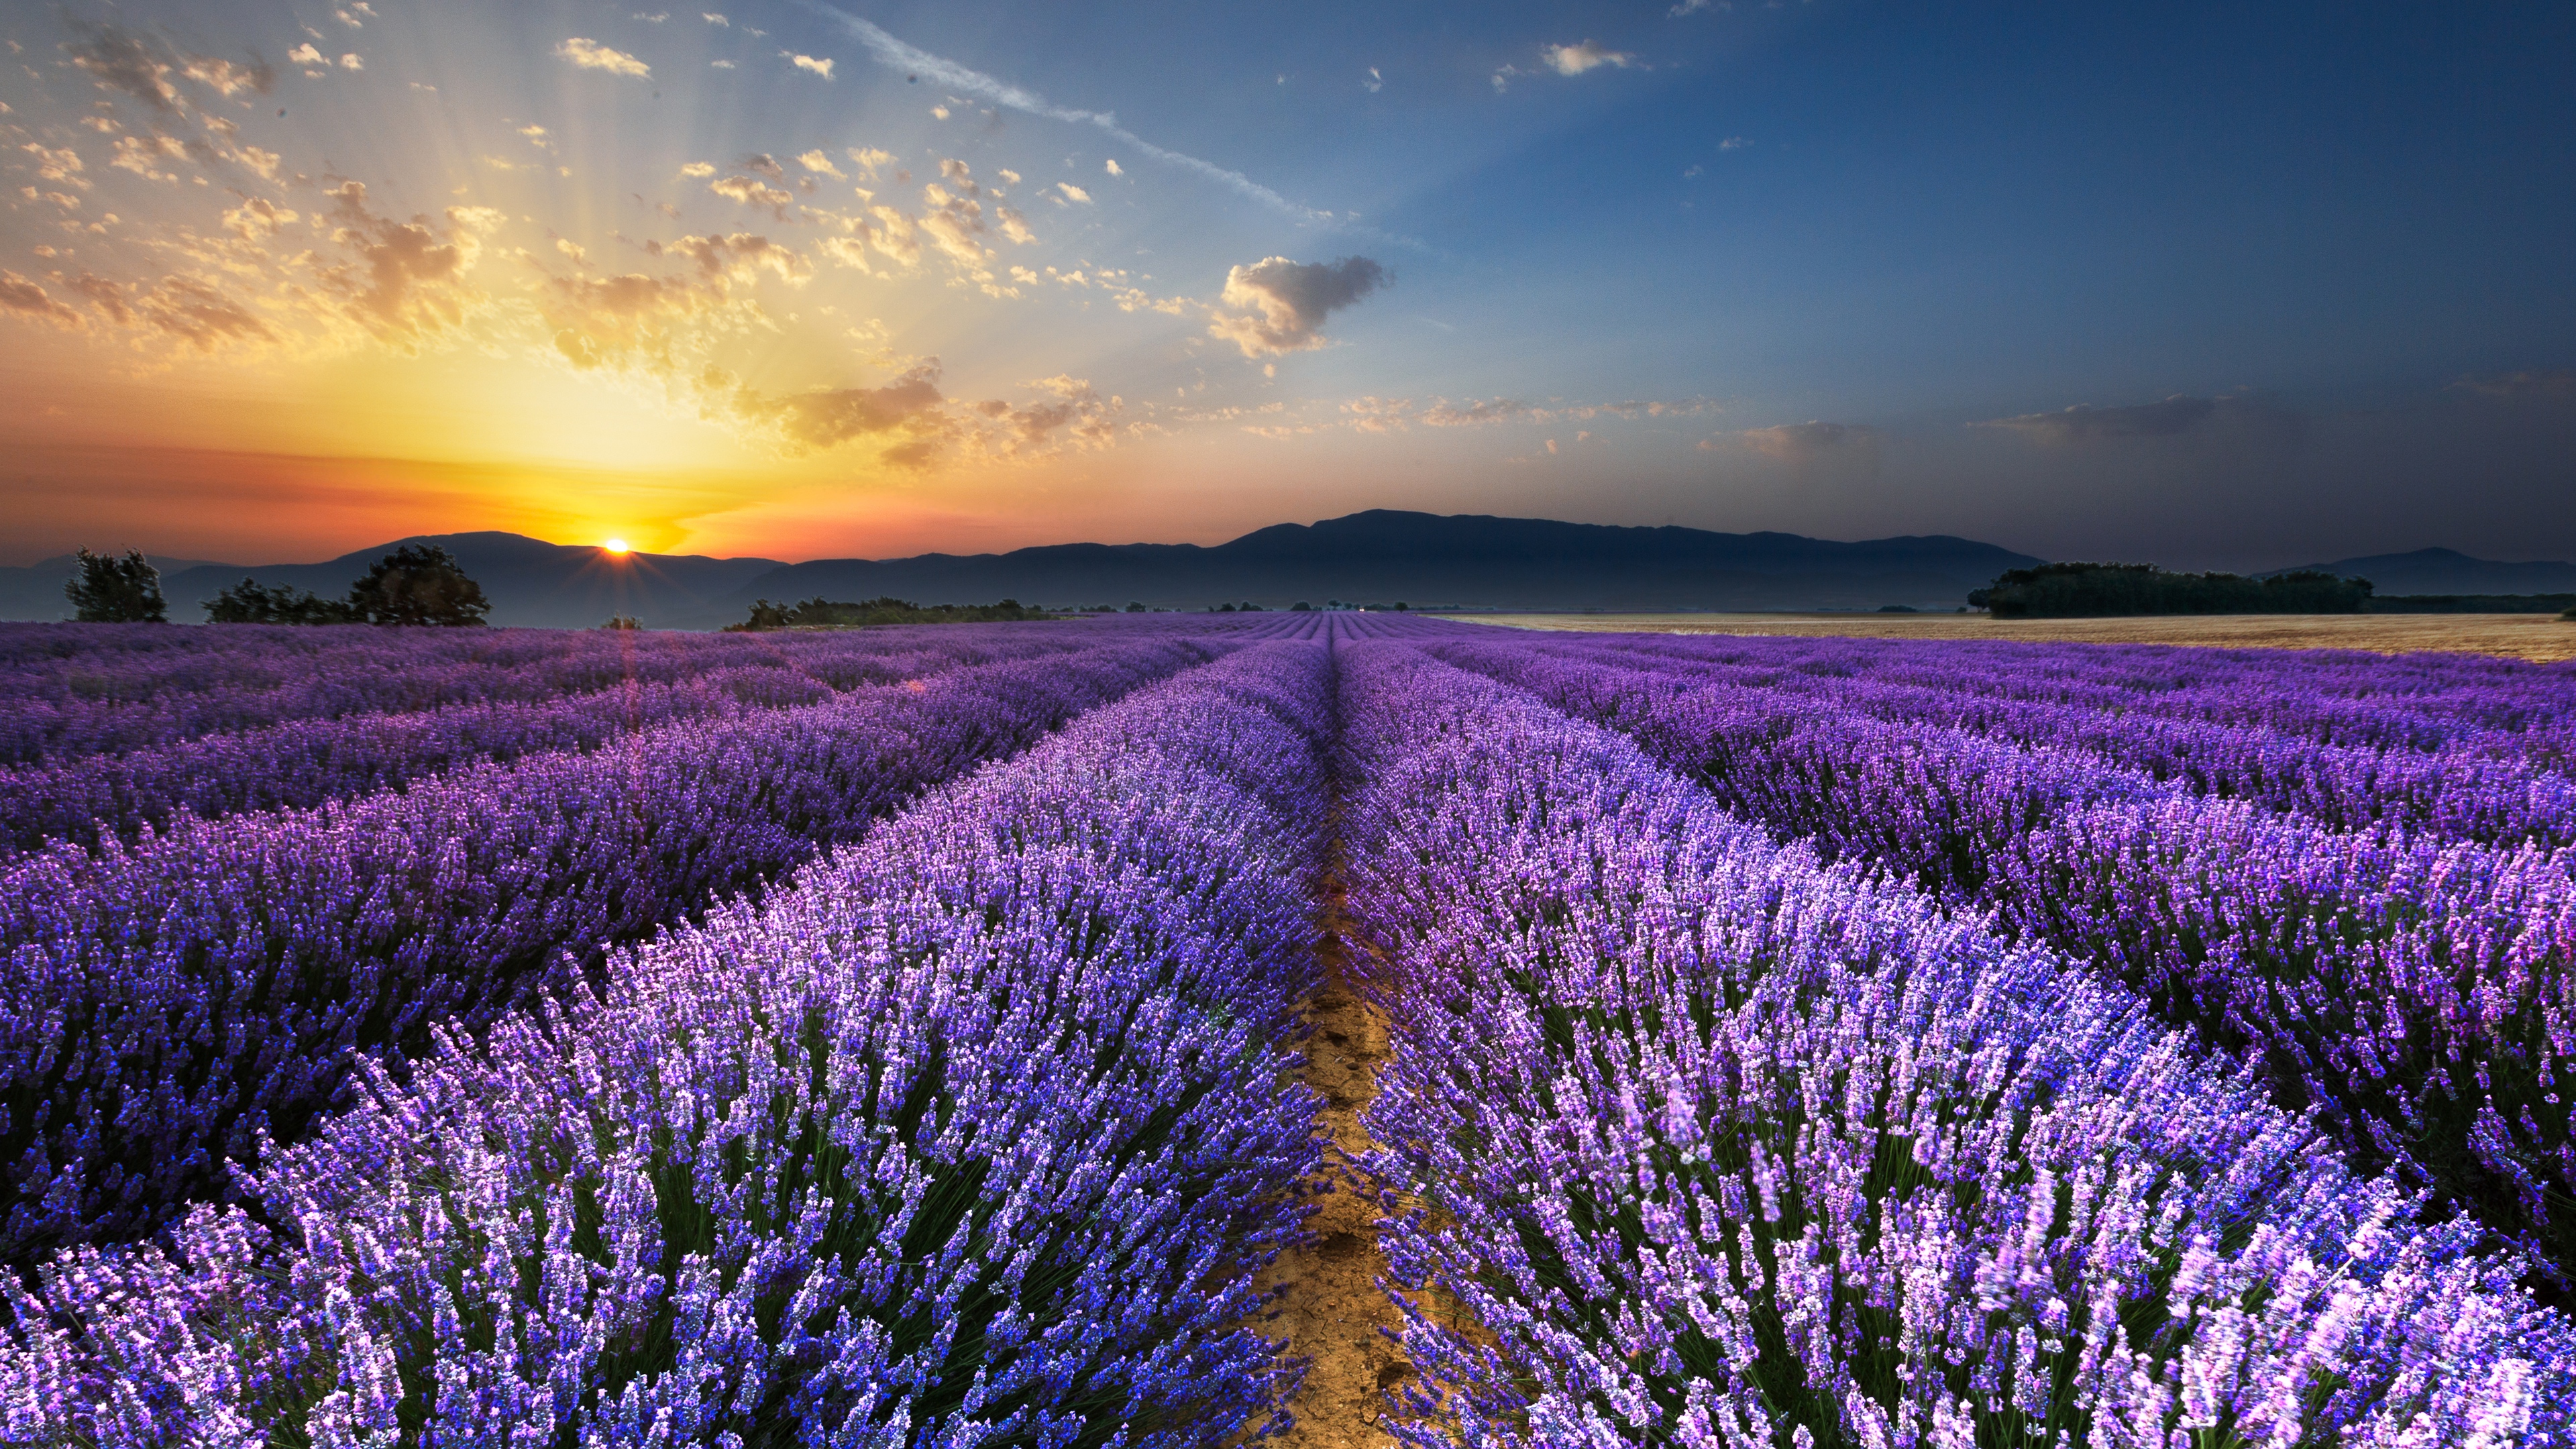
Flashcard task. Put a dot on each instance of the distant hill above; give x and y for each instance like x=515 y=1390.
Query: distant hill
x=1382 y=556
x=1376 y=557
x=2448 y=571
x=530 y=583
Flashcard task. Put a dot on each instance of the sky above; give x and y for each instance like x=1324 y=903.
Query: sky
x=2233 y=287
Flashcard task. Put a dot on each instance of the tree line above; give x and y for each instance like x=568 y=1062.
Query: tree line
x=417 y=584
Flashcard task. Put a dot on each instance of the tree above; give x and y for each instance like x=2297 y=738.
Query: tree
x=106 y=590
x=1134 y=608
x=250 y=602
x=418 y=584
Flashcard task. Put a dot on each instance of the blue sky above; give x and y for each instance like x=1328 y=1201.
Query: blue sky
x=863 y=279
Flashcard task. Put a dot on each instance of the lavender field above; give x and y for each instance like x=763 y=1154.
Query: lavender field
x=906 y=1037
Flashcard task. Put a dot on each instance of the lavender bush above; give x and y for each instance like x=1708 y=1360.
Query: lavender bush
x=1722 y=1146
x=2421 y=991
x=975 y=1136
x=169 y=1004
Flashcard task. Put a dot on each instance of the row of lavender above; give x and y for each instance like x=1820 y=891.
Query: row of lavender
x=1722 y=1145
x=2427 y=765
x=84 y=799
x=977 y=1133
x=173 y=1004
x=2419 y=991
x=2419 y=701
x=68 y=690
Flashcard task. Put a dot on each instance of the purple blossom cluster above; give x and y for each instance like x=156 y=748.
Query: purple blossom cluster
x=2420 y=991
x=1707 y=1142
x=976 y=1133
x=169 y=1005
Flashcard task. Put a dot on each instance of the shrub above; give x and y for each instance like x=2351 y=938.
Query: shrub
x=2074 y=590
x=418 y=584
x=250 y=602
x=106 y=590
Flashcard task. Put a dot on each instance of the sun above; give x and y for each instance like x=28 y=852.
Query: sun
x=615 y=545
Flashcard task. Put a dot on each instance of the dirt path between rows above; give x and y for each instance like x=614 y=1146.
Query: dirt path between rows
x=1333 y=1309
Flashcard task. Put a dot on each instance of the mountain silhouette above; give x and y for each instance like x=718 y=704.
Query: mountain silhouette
x=1380 y=556
x=2448 y=571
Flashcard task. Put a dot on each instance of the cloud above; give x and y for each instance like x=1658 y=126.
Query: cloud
x=1073 y=193
x=714 y=18
x=698 y=168
x=1374 y=83
x=1804 y=442
x=829 y=417
x=819 y=65
x=258 y=219
x=196 y=312
x=1283 y=303
x=1008 y=175
x=119 y=60
x=353 y=61
x=894 y=54
x=2547 y=382
x=761 y=163
x=144 y=158
x=58 y=165
x=1733 y=143
x=868 y=159
x=895 y=237
x=411 y=280
x=1112 y=164
x=1014 y=225
x=741 y=257
x=753 y=193
x=1502 y=409
x=227 y=79
x=106 y=296
x=816 y=161
x=591 y=55
x=633 y=319
x=2084 y=423
x=27 y=299
x=306 y=55
x=1576 y=59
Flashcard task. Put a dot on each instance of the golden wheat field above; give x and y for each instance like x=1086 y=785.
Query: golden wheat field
x=2520 y=636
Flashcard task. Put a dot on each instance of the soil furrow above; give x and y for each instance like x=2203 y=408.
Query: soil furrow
x=1334 y=1309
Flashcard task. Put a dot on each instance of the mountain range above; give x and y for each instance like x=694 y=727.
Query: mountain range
x=1378 y=557
x=2448 y=571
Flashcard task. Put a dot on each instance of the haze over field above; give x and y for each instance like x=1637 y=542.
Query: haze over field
x=2216 y=287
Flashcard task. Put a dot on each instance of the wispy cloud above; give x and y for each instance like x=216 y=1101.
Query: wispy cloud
x=2242 y=417
x=2085 y=423
x=819 y=65
x=895 y=54
x=2539 y=382
x=1807 y=441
